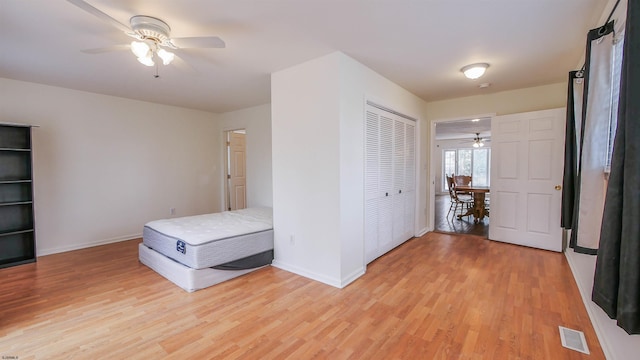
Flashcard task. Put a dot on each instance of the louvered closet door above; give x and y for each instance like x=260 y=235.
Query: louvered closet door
x=385 y=176
x=389 y=181
x=371 y=185
x=399 y=169
x=409 y=181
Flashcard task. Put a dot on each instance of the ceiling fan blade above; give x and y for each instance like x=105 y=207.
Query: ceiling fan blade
x=183 y=65
x=99 y=14
x=198 y=42
x=107 y=49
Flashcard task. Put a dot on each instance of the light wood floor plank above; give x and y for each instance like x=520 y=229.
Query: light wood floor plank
x=435 y=297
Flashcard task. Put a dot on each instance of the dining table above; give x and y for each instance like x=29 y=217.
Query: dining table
x=478 y=210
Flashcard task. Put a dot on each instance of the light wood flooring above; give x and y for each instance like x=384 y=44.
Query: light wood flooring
x=448 y=223
x=435 y=297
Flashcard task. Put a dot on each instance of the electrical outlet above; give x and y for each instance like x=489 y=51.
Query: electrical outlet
x=172 y=211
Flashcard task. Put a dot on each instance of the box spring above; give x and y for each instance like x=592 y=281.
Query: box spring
x=191 y=279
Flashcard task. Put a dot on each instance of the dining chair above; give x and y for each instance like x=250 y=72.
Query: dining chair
x=462 y=180
x=456 y=201
x=487 y=203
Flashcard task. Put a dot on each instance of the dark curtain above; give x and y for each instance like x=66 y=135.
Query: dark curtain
x=569 y=176
x=617 y=278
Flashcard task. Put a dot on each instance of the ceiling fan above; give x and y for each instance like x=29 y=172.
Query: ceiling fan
x=152 y=37
x=478 y=141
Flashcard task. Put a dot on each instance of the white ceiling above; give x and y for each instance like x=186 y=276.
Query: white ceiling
x=464 y=129
x=420 y=45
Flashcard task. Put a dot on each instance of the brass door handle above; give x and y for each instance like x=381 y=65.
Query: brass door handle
x=558 y=187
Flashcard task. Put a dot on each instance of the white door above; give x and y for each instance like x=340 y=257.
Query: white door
x=237 y=171
x=371 y=185
x=385 y=205
x=389 y=181
x=398 y=197
x=527 y=156
x=409 y=191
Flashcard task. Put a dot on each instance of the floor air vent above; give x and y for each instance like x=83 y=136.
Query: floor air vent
x=573 y=339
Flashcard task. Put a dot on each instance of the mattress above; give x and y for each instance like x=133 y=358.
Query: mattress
x=209 y=240
x=185 y=277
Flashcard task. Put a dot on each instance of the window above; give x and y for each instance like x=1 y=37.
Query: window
x=616 y=69
x=465 y=162
x=449 y=165
x=480 y=165
x=473 y=162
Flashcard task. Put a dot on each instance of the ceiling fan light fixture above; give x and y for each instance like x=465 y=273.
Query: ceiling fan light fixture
x=166 y=56
x=140 y=49
x=474 y=71
x=146 y=60
x=478 y=141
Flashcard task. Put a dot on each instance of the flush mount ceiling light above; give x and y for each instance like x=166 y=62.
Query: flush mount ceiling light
x=474 y=71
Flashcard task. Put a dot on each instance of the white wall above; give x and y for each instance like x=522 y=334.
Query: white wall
x=318 y=164
x=104 y=166
x=257 y=122
x=501 y=103
x=306 y=180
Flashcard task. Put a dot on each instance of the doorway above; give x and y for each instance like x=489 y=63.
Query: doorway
x=236 y=174
x=460 y=147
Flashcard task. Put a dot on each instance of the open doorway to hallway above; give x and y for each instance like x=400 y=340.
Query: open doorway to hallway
x=461 y=148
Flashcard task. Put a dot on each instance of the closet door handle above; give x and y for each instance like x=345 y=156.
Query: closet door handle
x=386 y=194
x=399 y=191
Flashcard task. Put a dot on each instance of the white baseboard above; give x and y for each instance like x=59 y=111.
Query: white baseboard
x=338 y=283
x=353 y=277
x=615 y=342
x=423 y=231
x=77 y=246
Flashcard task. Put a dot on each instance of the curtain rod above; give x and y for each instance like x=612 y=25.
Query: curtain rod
x=615 y=6
x=612 y=11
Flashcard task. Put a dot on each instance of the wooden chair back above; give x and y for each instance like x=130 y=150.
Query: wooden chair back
x=462 y=180
x=452 y=187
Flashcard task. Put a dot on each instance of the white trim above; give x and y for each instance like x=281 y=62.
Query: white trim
x=389 y=110
x=423 y=231
x=352 y=277
x=585 y=290
x=308 y=274
x=223 y=170
x=614 y=341
x=418 y=171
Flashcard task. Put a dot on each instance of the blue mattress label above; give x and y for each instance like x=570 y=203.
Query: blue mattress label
x=181 y=246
